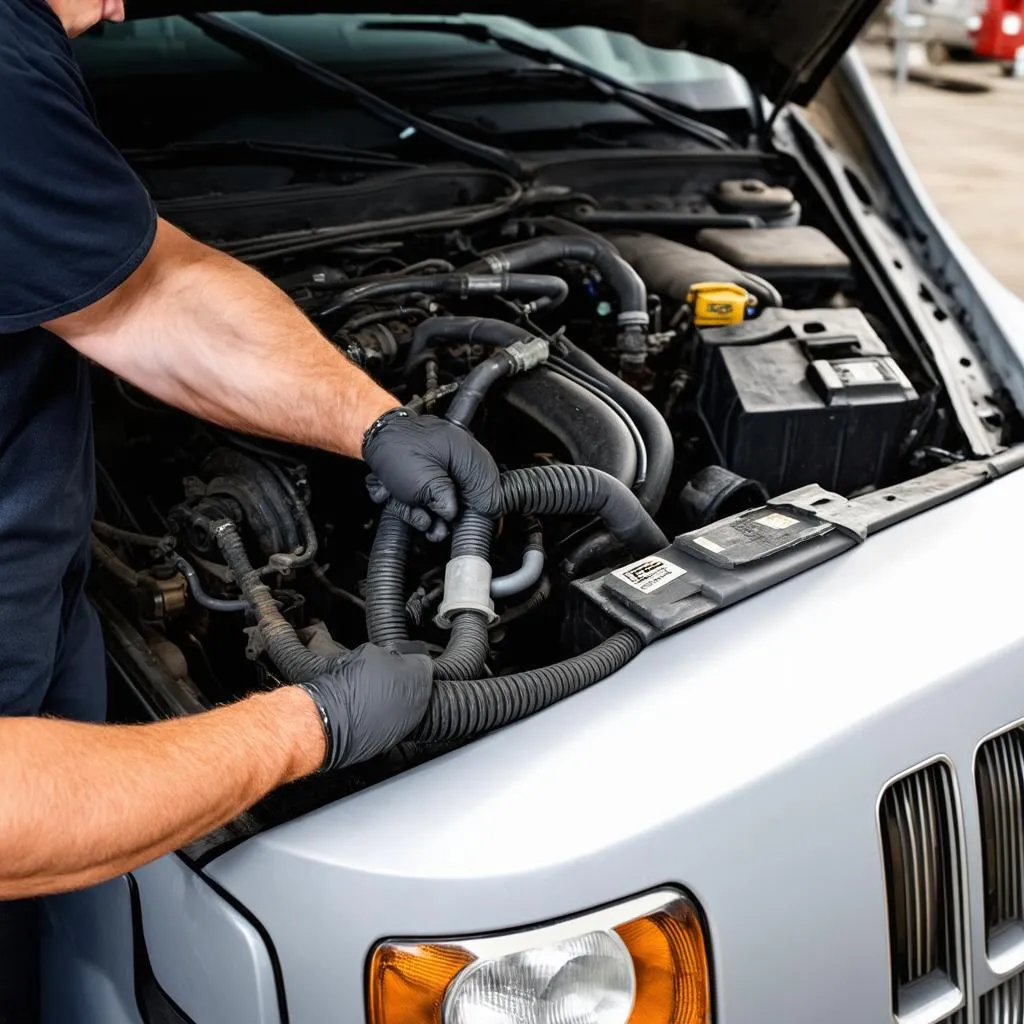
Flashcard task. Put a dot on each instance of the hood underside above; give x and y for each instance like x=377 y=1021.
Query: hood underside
x=784 y=47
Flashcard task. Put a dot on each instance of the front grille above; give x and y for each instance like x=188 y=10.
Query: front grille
x=1005 y=1004
x=999 y=776
x=921 y=847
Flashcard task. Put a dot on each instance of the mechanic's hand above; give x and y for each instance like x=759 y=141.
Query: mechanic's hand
x=425 y=465
x=369 y=701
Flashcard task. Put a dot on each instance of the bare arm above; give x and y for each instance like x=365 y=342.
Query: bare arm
x=213 y=337
x=83 y=803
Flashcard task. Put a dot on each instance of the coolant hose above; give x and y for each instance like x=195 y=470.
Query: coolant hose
x=468 y=330
x=551 y=290
x=465 y=707
x=475 y=386
x=214 y=604
x=621 y=277
x=577 y=490
x=528 y=573
x=386 y=622
x=296 y=663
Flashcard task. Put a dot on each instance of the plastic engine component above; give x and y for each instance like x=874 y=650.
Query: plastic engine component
x=713 y=567
x=781 y=254
x=805 y=397
x=772 y=203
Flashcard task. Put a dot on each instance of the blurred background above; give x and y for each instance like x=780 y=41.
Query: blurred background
x=951 y=74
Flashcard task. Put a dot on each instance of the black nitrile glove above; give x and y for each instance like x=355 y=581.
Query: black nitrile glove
x=426 y=465
x=369 y=701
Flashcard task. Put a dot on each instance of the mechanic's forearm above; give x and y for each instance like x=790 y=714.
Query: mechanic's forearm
x=80 y=804
x=213 y=337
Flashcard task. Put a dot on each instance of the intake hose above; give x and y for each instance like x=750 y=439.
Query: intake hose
x=386 y=622
x=627 y=284
x=296 y=663
x=657 y=436
x=547 y=290
x=592 y=432
x=468 y=647
x=576 y=490
x=463 y=708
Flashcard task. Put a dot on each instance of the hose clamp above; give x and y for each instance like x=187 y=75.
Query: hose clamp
x=498 y=264
x=467 y=588
x=633 y=318
x=527 y=354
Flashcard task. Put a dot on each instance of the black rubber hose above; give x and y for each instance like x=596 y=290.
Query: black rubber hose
x=467 y=648
x=462 y=708
x=474 y=387
x=576 y=490
x=621 y=277
x=471 y=330
x=552 y=290
x=286 y=650
x=591 y=426
x=386 y=623
x=653 y=429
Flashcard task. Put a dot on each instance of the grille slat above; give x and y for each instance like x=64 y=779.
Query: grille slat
x=920 y=839
x=999 y=776
x=1005 y=1004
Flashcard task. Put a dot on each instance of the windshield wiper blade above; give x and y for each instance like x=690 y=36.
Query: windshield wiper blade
x=255 y=150
x=652 y=106
x=256 y=47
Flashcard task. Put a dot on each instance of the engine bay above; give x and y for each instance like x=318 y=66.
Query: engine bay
x=640 y=367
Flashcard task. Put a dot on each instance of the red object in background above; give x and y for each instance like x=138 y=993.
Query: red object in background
x=1002 y=30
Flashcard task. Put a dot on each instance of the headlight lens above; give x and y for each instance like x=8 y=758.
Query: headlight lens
x=1011 y=24
x=640 y=962
x=586 y=980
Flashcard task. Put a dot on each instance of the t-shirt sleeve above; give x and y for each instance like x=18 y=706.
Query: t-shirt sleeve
x=75 y=221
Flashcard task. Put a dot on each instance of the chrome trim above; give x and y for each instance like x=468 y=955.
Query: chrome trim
x=921 y=838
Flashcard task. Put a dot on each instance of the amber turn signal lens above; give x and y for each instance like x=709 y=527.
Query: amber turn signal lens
x=671 y=966
x=408 y=983
x=657 y=942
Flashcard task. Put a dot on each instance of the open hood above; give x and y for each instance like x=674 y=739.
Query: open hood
x=785 y=47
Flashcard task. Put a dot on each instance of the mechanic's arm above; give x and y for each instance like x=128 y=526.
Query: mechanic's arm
x=205 y=333
x=80 y=804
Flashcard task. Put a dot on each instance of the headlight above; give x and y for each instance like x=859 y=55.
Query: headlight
x=1011 y=24
x=639 y=962
x=973 y=23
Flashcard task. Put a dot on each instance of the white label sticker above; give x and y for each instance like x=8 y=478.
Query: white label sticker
x=708 y=545
x=649 y=574
x=777 y=521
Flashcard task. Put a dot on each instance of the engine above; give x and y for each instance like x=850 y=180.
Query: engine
x=631 y=385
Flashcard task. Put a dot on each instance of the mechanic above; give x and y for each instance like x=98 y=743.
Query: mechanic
x=89 y=272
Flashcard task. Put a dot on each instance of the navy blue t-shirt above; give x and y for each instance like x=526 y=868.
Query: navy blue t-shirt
x=75 y=222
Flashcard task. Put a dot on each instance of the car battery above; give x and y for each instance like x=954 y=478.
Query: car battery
x=801 y=397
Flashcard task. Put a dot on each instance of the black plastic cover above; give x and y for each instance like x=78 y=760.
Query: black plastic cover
x=702 y=572
x=800 y=397
x=781 y=254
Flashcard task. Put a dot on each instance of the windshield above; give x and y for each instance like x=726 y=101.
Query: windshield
x=374 y=45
